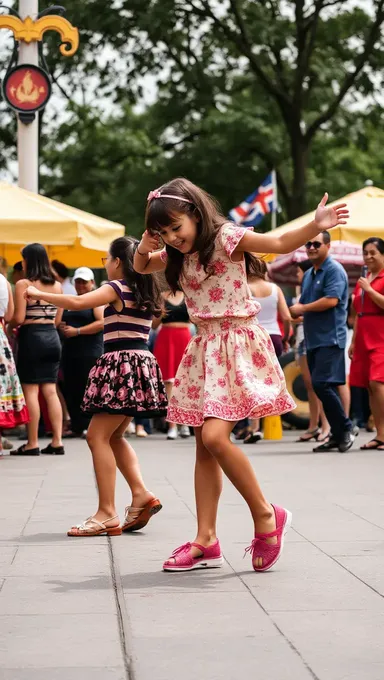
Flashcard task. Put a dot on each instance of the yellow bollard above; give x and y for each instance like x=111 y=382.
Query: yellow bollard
x=272 y=427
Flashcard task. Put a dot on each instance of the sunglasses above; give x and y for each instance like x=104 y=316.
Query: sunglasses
x=313 y=244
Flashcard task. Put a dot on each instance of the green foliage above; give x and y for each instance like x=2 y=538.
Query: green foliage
x=239 y=86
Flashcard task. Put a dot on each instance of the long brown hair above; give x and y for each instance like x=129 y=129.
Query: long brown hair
x=145 y=289
x=164 y=212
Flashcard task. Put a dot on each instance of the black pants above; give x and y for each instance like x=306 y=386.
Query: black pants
x=327 y=368
x=75 y=376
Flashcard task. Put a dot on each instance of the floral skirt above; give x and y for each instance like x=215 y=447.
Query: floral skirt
x=126 y=382
x=229 y=371
x=13 y=411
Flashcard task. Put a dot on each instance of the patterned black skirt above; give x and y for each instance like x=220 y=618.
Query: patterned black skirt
x=126 y=382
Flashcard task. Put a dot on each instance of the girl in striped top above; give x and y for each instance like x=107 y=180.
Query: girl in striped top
x=125 y=382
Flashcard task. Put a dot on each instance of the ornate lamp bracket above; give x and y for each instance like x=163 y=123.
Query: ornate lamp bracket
x=29 y=30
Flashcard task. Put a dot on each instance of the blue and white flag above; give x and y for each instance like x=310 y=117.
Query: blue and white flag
x=261 y=202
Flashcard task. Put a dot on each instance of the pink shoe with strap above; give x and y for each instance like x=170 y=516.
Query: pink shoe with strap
x=183 y=560
x=270 y=553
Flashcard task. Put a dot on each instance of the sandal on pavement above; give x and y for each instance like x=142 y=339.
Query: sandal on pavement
x=323 y=437
x=182 y=559
x=270 y=553
x=22 y=451
x=309 y=435
x=137 y=518
x=377 y=445
x=92 y=527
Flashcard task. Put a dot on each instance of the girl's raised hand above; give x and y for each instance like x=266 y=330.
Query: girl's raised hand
x=327 y=217
x=32 y=293
x=148 y=243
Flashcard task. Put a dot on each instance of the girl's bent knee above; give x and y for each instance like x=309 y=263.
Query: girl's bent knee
x=212 y=442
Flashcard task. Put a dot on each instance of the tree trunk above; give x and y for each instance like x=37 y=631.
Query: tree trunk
x=297 y=201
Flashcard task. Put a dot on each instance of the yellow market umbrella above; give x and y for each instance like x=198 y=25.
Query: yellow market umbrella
x=366 y=208
x=73 y=236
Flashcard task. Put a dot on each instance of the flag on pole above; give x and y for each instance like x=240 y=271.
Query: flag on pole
x=261 y=202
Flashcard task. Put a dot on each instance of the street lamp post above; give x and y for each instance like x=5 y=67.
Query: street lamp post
x=27 y=87
x=28 y=134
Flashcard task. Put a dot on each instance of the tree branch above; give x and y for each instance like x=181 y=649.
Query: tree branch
x=351 y=77
x=244 y=47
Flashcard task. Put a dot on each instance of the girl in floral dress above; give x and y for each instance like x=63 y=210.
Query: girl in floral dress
x=229 y=370
x=125 y=382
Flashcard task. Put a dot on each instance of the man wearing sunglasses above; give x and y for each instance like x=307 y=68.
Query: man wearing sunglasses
x=323 y=303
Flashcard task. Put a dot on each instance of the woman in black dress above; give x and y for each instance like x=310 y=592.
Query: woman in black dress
x=39 y=348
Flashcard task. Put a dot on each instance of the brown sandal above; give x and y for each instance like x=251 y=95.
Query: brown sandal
x=137 y=518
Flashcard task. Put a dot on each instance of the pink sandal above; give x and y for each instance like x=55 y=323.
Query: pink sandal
x=270 y=553
x=182 y=560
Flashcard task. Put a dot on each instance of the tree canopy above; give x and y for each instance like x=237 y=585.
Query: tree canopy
x=237 y=87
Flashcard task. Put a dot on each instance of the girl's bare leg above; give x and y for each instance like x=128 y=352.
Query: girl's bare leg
x=99 y=434
x=208 y=487
x=237 y=467
x=128 y=464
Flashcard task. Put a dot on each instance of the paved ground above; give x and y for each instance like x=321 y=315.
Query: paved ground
x=101 y=609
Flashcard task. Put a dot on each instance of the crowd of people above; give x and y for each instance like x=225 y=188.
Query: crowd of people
x=80 y=356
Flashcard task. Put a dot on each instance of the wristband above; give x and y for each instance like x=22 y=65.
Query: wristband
x=78 y=331
x=142 y=254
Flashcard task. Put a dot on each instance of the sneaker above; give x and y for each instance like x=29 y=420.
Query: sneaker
x=7 y=445
x=172 y=433
x=184 y=432
x=346 y=441
x=330 y=445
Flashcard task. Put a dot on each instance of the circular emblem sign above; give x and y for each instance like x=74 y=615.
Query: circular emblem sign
x=26 y=88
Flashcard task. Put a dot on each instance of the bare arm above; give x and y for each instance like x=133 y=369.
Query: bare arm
x=97 y=298
x=284 y=314
x=145 y=261
x=11 y=305
x=320 y=305
x=325 y=219
x=20 y=304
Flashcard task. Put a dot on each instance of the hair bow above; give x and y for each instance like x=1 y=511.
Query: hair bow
x=153 y=194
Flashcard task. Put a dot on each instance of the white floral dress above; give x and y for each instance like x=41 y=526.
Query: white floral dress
x=229 y=369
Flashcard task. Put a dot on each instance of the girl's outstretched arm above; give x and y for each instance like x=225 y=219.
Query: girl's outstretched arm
x=145 y=261
x=325 y=218
x=97 y=298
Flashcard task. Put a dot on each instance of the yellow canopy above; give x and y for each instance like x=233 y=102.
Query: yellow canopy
x=70 y=235
x=366 y=208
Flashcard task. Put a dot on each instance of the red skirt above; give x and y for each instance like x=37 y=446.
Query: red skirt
x=169 y=348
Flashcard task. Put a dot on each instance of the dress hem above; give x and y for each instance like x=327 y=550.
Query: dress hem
x=183 y=416
x=129 y=412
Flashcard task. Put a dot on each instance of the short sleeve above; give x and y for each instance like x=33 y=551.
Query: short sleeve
x=163 y=256
x=334 y=284
x=231 y=235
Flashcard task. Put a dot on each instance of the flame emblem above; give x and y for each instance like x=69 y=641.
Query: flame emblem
x=27 y=91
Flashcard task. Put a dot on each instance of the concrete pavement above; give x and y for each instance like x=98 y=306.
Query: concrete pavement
x=76 y=609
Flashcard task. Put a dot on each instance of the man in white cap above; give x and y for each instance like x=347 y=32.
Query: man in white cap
x=82 y=345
